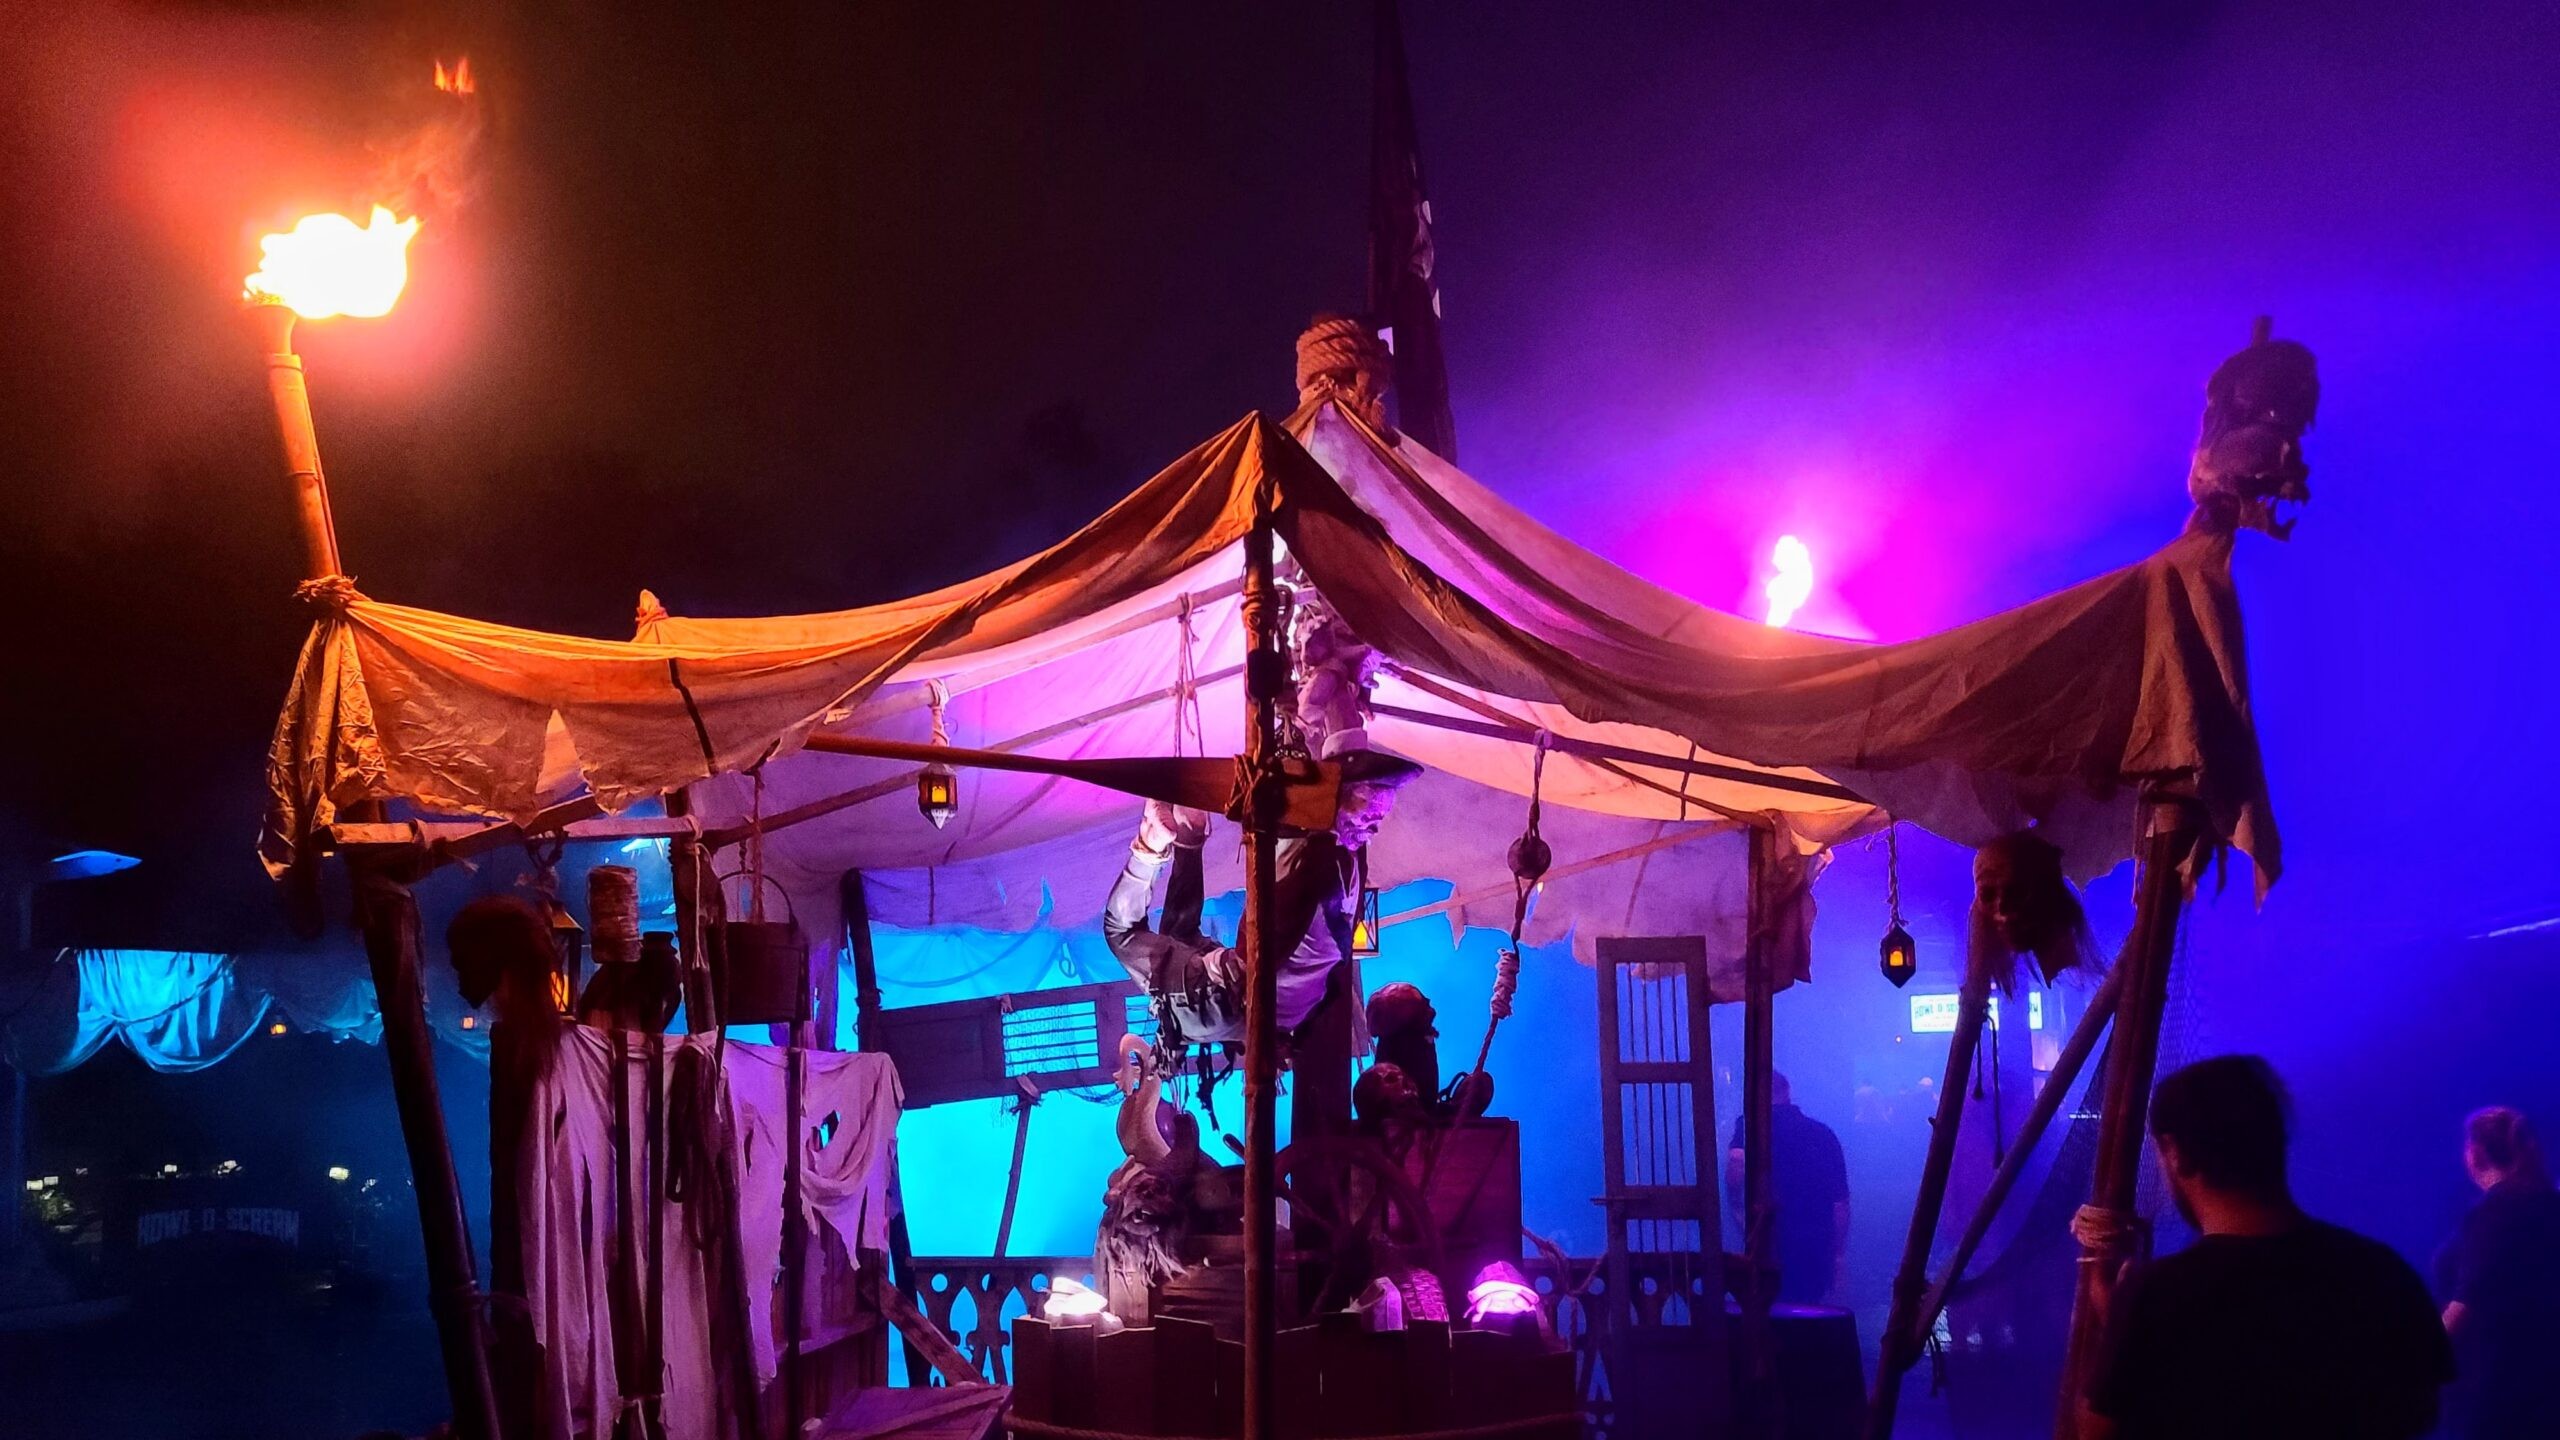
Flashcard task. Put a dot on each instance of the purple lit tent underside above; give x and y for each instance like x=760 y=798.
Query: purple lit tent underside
x=1495 y=628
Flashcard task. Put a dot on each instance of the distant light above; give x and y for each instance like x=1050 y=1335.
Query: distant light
x=279 y=1028
x=227 y=1167
x=168 y=1169
x=87 y=865
x=338 y=1173
x=35 y=1187
x=51 y=1181
x=470 y=1022
x=1793 y=584
x=638 y=847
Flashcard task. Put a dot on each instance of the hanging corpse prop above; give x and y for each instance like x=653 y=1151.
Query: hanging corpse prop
x=2022 y=905
x=2248 y=459
x=1198 y=985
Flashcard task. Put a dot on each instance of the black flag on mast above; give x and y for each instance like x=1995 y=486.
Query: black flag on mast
x=1404 y=291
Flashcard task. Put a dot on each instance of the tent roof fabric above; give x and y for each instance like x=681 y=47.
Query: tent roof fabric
x=1123 y=639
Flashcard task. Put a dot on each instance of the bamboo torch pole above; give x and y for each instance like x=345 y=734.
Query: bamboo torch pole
x=389 y=916
x=1265 y=673
x=2144 y=996
x=1900 y=1344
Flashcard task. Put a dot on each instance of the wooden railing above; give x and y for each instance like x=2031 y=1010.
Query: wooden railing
x=1668 y=1290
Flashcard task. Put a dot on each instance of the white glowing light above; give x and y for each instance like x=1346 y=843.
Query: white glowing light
x=338 y=1173
x=328 y=265
x=1793 y=584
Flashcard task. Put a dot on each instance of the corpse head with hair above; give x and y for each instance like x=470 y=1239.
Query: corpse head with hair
x=2023 y=905
x=2221 y=1126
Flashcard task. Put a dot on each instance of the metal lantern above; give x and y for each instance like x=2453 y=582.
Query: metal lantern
x=938 y=794
x=1365 y=923
x=1898 y=956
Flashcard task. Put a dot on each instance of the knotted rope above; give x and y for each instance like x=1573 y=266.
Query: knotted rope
x=329 y=592
x=1529 y=858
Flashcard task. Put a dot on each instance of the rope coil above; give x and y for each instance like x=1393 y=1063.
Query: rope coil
x=1340 y=359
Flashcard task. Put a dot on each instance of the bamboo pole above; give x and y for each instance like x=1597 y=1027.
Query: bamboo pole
x=389 y=916
x=1759 y=1091
x=2139 y=1006
x=286 y=387
x=1265 y=674
x=2057 y=1089
x=1907 y=1326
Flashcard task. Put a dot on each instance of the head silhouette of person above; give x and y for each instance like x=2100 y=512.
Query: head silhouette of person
x=2221 y=1126
x=2498 y=1146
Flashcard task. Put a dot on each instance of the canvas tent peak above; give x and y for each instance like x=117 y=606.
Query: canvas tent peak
x=2067 y=706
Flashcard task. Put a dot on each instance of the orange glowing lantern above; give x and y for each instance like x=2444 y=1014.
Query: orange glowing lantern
x=327 y=265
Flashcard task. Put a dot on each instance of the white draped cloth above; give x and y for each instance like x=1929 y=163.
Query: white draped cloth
x=570 y=1227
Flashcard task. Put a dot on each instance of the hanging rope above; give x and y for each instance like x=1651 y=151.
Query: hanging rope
x=755 y=849
x=1529 y=858
x=1186 y=685
x=937 y=697
x=1893 y=872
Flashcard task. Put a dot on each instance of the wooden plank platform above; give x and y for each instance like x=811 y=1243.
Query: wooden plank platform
x=971 y=1412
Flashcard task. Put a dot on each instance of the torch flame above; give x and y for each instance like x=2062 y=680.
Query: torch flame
x=326 y=266
x=456 y=81
x=1793 y=584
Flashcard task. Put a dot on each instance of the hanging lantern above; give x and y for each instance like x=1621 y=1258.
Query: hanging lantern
x=938 y=794
x=1898 y=957
x=1366 y=924
x=937 y=784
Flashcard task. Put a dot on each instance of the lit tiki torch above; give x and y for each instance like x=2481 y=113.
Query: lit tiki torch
x=325 y=266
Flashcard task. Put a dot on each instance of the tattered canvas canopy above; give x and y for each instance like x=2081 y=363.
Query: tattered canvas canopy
x=1125 y=639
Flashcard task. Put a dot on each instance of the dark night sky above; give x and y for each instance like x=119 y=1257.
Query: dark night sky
x=777 y=308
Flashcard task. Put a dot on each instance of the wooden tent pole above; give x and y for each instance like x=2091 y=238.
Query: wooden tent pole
x=2057 y=1088
x=1900 y=1344
x=868 y=1035
x=2144 y=998
x=1759 y=1092
x=1266 y=666
x=389 y=915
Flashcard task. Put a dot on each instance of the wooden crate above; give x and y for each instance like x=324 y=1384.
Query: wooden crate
x=1336 y=1381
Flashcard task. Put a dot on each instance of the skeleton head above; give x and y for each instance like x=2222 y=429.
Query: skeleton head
x=2248 y=459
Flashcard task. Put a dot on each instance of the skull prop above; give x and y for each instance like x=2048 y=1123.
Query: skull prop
x=2248 y=459
x=2022 y=905
x=1404 y=1029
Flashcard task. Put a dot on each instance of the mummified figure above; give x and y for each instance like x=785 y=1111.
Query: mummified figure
x=2248 y=459
x=2022 y=905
